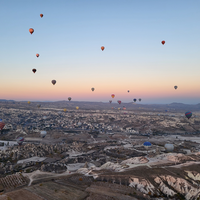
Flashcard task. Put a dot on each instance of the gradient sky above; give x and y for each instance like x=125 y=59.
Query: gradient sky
x=69 y=39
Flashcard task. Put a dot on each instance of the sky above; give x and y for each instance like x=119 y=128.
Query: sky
x=69 y=39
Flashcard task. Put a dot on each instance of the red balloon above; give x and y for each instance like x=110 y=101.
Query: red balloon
x=163 y=42
x=37 y=55
x=31 y=30
x=102 y=48
x=41 y=15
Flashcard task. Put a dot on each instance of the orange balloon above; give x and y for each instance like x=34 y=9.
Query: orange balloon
x=112 y=95
x=37 y=55
x=102 y=48
x=41 y=15
x=31 y=30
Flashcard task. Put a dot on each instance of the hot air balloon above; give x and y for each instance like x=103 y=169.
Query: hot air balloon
x=64 y=109
x=53 y=82
x=2 y=124
x=112 y=95
x=69 y=98
x=41 y=15
x=118 y=108
x=31 y=30
x=119 y=102
x=169 y=147
x=175 y=87
x=124 y=108
x=110 y=101
x=140 y=99
x=43 y=134
x=20 y=140
x=147 y=145
x=77 y=107
x=34 y=70
x=39 y=105
x=134 y=100
x=29 y=102
x=102 y=48
x=92 y=89
x=128 y=91
x=163 y=42
x=188 y=114
x=37 y=55
x=79 y=123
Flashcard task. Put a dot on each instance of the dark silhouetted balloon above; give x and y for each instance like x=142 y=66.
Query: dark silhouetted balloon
x=175 y=87
x=34 y=70
x=134 y=100
x=69 y=98
x=92 y=89
x=110 y=101
x=53 y=82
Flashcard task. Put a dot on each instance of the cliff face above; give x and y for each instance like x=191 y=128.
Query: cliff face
x=169 y=185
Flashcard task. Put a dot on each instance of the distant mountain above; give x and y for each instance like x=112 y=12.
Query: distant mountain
x=7 y=100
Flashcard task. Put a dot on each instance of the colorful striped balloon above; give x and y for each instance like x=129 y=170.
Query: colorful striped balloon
x=188 y=114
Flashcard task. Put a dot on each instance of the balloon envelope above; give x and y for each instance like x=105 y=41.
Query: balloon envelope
x=102 y=48
x=69 y=98
x=119 y=102
x=43 y=133
x=110 y=101
x=37 y=55
x=77 y=107
x=175 y=87
x=92 y=89
x=2 y=124
x=163 y=42
x=34 y=70
x=188 y=114
x=169 y=147
x=31 y=30
x=64 y=109
x=41 y=15
x=20 y=140
x=53 y=82
x=147 y=144
x=134 y=100
x=112 y=95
